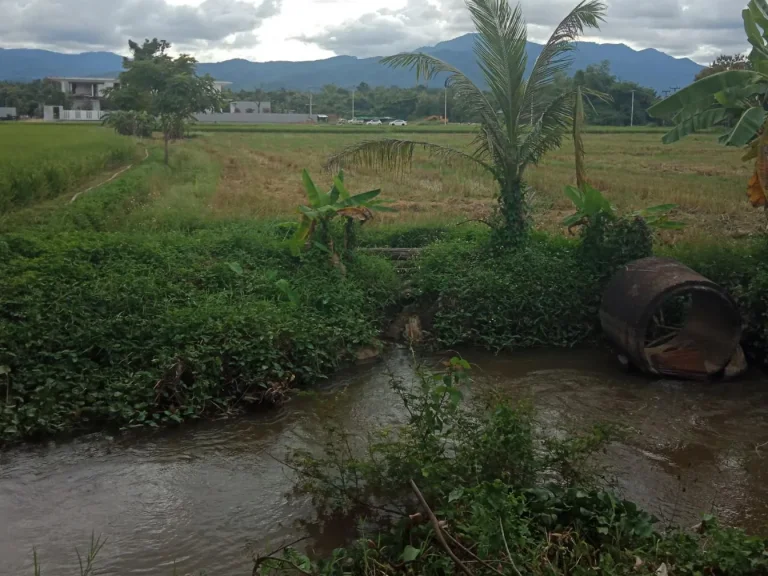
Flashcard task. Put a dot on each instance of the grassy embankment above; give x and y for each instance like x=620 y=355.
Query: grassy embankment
x=39 y=162
x=157 y=297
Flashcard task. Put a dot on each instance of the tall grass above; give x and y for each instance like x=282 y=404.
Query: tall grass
x=38 y=162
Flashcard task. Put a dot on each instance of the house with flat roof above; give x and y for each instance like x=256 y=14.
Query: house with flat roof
x=87 y=95
x=86 y=92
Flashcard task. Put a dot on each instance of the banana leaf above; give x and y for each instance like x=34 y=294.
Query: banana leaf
x=701 y=121
x=748 y=127
x=703 y=90
x=313 y=194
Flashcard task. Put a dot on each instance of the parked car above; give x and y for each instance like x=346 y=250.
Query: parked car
x=398 y=123
x=355 y=121
x=373 y=123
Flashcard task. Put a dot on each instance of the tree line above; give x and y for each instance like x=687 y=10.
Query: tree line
x=406 y=103
x=421 y=102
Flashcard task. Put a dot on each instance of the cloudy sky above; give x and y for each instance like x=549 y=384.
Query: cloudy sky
x=264 y=30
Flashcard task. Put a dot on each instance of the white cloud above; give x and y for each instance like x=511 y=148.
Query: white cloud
x=100 y=24
x=310 y=29
x=697 y=28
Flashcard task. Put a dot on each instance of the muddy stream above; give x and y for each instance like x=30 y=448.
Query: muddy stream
x=201 y=495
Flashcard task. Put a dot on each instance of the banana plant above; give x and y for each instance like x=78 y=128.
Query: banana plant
x=589 y=202
x=323 y=207
x=736 y=99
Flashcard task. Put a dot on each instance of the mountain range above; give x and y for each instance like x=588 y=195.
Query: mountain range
x=649 y=67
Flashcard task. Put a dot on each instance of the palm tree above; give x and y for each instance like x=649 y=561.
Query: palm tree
x=521 y=119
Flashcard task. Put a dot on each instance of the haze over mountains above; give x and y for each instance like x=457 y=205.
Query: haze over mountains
x=648 y=67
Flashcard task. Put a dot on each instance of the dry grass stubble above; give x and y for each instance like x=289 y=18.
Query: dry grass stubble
x=261 y=177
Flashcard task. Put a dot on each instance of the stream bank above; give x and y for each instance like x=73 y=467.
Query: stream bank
x=199 y=494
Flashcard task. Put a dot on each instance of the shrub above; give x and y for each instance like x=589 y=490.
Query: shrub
x=131 y=123
x=459 y=486
x=127 y=329
x=538 y=295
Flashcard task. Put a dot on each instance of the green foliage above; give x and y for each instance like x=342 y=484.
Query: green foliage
x=616 y=108
x=164 y=87
x=520 y=120
x=725 y=62
x=608 y=242
x=590 y=203
x=410 y=236
x=540 y=295
x=499 y=497
x=323 y=207
x=504 y=498
x=46 y=161
x=734 y=96
x=444 y=445
x=30 y=98
x=141 y=329
x=130 y=123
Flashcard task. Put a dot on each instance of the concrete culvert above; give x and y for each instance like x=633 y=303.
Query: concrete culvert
x=671 y=321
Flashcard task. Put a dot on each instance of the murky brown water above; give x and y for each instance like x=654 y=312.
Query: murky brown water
x=199 y=495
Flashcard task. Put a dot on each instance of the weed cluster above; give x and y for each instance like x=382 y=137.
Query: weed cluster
x=541 y=294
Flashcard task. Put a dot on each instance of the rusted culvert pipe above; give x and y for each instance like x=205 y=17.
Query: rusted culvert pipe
x=704 y=346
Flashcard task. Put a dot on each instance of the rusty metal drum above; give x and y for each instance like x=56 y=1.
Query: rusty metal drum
x=706 y=344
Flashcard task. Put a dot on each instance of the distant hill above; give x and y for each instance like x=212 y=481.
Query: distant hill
x=25 y=65
x=646 y=67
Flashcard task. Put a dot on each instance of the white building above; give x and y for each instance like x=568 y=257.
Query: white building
x=87 y=94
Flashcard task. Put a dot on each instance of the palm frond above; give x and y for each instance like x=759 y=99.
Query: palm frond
x=500 y=50
x=465 y=91
x=548 y=131
x=396 y=155
x=428 y=67
x=556 y=57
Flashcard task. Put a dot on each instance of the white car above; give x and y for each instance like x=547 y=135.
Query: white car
x=355 y=121
x=373 y=123
x=398 y=123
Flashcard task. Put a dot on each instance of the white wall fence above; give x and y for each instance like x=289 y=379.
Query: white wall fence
x=245 y=118
x=82 y=115
x=59 y=114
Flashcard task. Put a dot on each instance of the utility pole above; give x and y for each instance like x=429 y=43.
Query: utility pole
x=310 y=103
x=445 y=115
x=353 y=103
x=632 y=117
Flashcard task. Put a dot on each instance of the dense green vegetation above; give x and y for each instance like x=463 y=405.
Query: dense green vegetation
x=29 y=98
x=422 y=102
x=479 y=487
x=37 y=165
x=133 y=328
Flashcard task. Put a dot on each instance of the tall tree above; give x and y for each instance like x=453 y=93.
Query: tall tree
x=166 y=87
x=520 y=120
x=723 y=63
